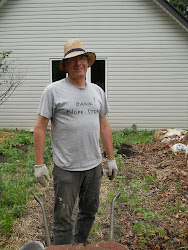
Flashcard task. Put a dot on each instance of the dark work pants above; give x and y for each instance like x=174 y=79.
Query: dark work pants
x=68 y=185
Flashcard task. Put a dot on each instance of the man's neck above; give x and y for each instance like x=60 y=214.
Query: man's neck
x=80 y=83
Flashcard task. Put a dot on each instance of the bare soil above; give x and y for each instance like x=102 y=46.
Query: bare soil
x=153 y=159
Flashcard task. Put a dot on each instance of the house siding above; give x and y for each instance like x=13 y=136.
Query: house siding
x=146 y=51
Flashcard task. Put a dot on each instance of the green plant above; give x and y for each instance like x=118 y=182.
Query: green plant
x=181 y=6
x=120 y=160
x=184 y=208
x=18 y=211
x=132 y=136
x=17 y=181
x=118 y=138
x=23 y=137
x=179 y=187
x=100 y=211
x=6 y=223
x=128 y=131
x=150 y=179
x=110 y=195
x=134 y=197
x=93 y=233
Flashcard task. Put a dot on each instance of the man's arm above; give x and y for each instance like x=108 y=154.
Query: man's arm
x=106 y=137
x=41 y=171
x=39 y=138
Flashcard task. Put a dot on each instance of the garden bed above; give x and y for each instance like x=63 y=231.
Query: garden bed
x=151 y=212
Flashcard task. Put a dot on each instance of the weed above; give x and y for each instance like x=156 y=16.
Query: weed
x=150 y=179
x=118 y=138
x=93 y=233
x=133 y=136
x=100 y=211
x=120 y=160
x=23 y=137
x=135 y=202
x=179 y=187
x=6 y=222
x=17 y=181
x=110 y=195
x=184 y=208
x=18 y=211
x=128 y=131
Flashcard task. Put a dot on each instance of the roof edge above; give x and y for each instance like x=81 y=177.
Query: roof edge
x=176 y=15
x=2 y=2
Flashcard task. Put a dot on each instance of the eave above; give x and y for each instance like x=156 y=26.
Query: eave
x=176 y=15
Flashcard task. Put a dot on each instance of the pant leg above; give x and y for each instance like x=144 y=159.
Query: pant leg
x=66 y=187
x=88 y=204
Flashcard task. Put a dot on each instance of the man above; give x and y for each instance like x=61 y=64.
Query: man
x=77 y=110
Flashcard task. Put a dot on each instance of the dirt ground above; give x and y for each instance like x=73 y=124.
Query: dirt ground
x=171 y=190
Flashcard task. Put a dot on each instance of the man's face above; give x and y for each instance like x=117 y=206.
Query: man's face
x=77 y=67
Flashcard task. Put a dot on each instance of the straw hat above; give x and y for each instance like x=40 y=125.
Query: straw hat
x=75 y=48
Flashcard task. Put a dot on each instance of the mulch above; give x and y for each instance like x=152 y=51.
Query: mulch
x=169 y=195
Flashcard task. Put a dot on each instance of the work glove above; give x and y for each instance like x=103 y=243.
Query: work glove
x=112 y=169
x=41 y=173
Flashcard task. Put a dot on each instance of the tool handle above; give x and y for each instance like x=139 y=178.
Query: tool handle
x=112 y=216
x=45 y=221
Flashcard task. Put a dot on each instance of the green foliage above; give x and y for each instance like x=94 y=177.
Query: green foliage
x=135 y=197
x=132 y=136
x=95 y=228
x=23 y=137
x=17 y=184
x=120 y=160
x=128 y=131
x=15 y=191
x=150 y=179
x=148 y=221
x=110 y=195
x=181 y=6
x=6 y=222
x=179 y=187
x=140 y=137
x=9 y=147
x=17 y=181
x=100 y=211
x=118 y=138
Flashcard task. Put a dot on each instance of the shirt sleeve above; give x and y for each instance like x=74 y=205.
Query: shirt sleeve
x=105 y=109
x=46 y=106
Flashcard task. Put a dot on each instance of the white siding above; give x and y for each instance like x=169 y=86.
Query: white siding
x=147 y=53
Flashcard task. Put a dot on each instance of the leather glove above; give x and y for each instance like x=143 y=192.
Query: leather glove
x=112 y=169
x=41 y=173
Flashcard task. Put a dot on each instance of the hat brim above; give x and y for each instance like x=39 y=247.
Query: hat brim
x=91 y=58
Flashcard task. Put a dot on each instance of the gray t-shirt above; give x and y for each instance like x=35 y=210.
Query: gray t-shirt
x=75 y=124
